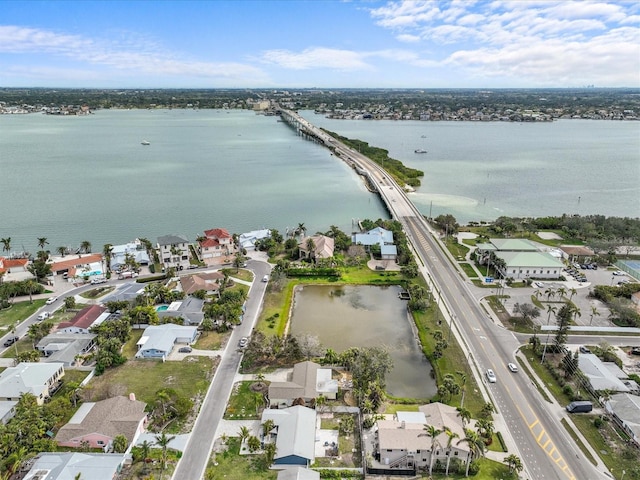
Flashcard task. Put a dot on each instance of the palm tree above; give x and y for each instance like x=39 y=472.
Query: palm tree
x=85 y=246
x=6 y=244
x=163 y=441
x=106 y=253
x=267 y=426
x=432 y=432
x=301 y=230
x=463 y=380
x=330 y=357
x=572 y=292
x=269 y=453
x=476 y=446
x=485 y=428
x=562 y=292
x=311 y=248
x=253 y=443
x=514 y=462
x=594 y=313
x=145 y=448
x=244 y=433
x=62 y=251
x=550 y=292
x=550 y=309
x=450 y=436
x=464 y=414
x=42 y=241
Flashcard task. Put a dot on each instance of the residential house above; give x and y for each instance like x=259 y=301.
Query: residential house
x=174 y=251
x=298 y=473
x=135 y=250
x=96 y=424
x=520 y=259
x=403 y=446
x=294 y=435
x=322 y=247
x=189 y=309
x=13 y=265
x=158 y=341
x=308 y=382
x=66 y=347
x=39 y=379
x=625 y=410
x=86 y=318
x=78 y=266
x=67 y=466
x=378 y=236
x=604 y=375
x=217 y=243
x=7 y=410
x=207 y=281
x=248 y=240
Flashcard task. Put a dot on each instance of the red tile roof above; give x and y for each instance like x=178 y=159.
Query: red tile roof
x=84 y=318
x=75 y=261
x=209 y=242
x=7 y=263
x=217 y=233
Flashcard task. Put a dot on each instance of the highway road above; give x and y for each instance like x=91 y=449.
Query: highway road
x=543 y=444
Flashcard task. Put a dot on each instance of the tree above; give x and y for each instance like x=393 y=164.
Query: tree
x=301 y=229
x=269 y=453
x=70 y=302
x=485 y=428
x=85 y=246
x=253 y=443
x=476 y=446
x=431 y=432
x=107 y=250
x=465 y=415
x=514 y=463
x=563 y=318
x=594 y=313
x=62 y=251
x=120 y=444
x=163 y=441
x=6 y=244
x=244 y=433
x=450 y=437
x=526 y=311
x=330 y=357
x=145 y=448
x=463 y=381
x=267 y=426
x=42 y=241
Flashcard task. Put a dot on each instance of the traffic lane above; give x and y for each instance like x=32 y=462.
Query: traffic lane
x=485 y=336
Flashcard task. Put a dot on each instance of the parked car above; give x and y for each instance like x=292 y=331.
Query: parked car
x=96 y=280
x=43 y=316
x=50 y=300
x=185 y=349
x=265 y=279
x=243 y=342
x=618 y=272
x=491 y=376
x=584 y=349
x=635 y=351
x=513 y=367
x=10 y=341
x=539 y=284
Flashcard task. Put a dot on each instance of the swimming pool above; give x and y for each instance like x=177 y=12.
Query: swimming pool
x=162 y=308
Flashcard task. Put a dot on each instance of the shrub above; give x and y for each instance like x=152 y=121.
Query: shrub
x=597 y=422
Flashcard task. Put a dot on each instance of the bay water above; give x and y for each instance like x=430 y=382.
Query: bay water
x=72 y=179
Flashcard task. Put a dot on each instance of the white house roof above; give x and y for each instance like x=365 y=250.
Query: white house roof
x=66 y=466
x=529 y=260
x=298 y=473
x=376 y=236
x=601 y=375
x=248 y=239
x=627 y=408
x=296 y=431
x=163 y=337
x=27 y=377
x=411 y=417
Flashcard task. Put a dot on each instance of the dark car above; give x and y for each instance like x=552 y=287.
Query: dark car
x=584 y=349
x=185 y=350
x=10 y=341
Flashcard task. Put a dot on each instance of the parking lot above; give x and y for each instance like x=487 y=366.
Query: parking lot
x=601 y=276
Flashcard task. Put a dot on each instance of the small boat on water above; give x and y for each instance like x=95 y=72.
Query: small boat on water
x=420 y=150
x=145 y=142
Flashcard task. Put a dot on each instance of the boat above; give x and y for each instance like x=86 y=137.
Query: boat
x=420 y=150
x=145 y=142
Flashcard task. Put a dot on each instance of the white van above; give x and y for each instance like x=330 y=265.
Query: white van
x=265 y=279
x=43 y=316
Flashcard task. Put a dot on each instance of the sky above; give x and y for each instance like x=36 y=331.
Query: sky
x=319 y=44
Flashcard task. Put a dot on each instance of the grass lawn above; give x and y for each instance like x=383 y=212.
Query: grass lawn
x=188 y=378
x=468 y=270
x=613 y=452
x=241 y=274
x=230 y=465
x=456 y=249
x=97 y=292
x=18 y=312
x=244 y=403
x=211 y=340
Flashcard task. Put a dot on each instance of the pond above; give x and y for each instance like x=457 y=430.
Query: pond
x=363 y=316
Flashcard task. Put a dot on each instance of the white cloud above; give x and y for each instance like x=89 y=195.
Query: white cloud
x=407 y=38
x=130 y=54
x=316 y=58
